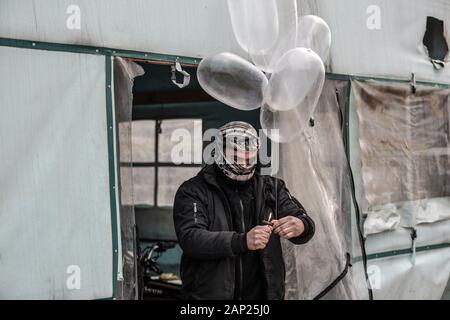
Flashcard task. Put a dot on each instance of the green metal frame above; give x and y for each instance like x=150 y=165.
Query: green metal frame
x=156 y=57
x=112 y=168
x=393 y=253
x=345 y=77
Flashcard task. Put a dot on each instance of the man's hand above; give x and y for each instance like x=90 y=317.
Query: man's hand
x=258 y=237
x=288 y=227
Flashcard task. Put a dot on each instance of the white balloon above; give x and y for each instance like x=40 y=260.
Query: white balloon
x=282 y=126
x=298 y=75
x=255 y=23
x=265 y=29
x=280 y=121
x=232 y=80
x=314 y=33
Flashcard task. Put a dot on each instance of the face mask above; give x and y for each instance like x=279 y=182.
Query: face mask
x=236 y=150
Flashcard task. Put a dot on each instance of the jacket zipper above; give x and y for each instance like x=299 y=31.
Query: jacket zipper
x=241 y=281
x=195 y=212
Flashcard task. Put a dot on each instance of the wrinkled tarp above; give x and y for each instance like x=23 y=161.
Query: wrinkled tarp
x=399 y=153
x=404 y=152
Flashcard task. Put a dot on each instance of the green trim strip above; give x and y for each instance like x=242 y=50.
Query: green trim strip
x=336 y=76
x=163 y=58
x=112 y=169
x=346 y=137
x=399 y=252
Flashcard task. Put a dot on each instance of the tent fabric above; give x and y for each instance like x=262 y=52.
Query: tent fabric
x=179 y=27
x=398 y=278
x=403 y=153
x=316 y=172
x=55 y=214
x=428 y=234
x=383 y=38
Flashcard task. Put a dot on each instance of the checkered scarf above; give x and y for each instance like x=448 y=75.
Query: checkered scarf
x=234 y=140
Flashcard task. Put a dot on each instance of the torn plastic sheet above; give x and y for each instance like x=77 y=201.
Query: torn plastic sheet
x=435 y=42
x=124 y=73
x=316 y=171
x=403 y=153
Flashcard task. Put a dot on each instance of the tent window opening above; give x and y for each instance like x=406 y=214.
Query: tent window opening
x=165 y=153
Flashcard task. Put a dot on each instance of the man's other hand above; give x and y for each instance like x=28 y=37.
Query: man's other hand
x=288 y=227
x=258 y=237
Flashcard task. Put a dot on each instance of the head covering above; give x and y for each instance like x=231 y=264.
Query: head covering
x=236 y=150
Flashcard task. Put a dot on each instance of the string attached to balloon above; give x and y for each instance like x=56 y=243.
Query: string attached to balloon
x=286 y=74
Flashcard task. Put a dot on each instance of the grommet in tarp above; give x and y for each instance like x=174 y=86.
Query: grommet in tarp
x=413 y=83
x=186 y=76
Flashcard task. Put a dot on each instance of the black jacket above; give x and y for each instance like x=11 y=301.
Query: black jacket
x=204 y=227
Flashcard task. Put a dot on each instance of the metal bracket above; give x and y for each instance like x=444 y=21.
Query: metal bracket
x=413 y=83
x=413 y=245
x=186 y=76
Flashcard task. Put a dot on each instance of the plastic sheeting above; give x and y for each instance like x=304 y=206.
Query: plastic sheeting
x=181 y=27
x=399 y=150
x=396 y=278
x=124 y=73
x=316 y=172
x=55 y=215
x=403 y=154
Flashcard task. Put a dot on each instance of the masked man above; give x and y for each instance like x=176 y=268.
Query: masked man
x=229 y=220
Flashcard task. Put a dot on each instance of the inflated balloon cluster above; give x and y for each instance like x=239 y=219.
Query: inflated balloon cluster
x=287 y=72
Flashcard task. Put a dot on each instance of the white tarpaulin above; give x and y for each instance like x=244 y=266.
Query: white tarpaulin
x=369 y=37
x=422 y=274
x=396 y=278
x=383 y=37
x=55 y=215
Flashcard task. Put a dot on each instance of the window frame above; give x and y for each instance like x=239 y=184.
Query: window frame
x=156 y=164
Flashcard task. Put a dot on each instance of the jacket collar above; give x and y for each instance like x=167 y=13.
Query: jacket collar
x=209 y=174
